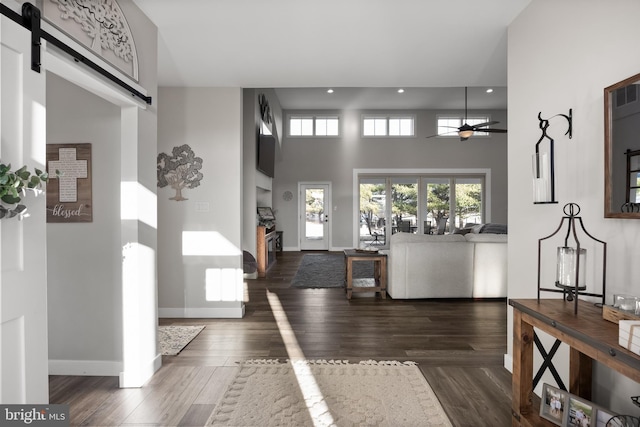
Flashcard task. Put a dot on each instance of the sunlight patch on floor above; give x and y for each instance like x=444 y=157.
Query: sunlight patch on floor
x=313 y=397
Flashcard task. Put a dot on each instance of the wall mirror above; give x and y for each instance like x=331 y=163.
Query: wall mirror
x=622 y=149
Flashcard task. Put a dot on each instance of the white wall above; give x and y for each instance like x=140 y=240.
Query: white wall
x=84 y=259
x=561 y=56
x=107 y=280
x=257 y=187
x=209 y=120
x=334 y=159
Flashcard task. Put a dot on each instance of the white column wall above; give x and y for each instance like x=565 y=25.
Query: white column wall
x=562 y=55
x=209 y=120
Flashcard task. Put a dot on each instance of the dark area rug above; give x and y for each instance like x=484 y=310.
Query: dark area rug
x=327 y=271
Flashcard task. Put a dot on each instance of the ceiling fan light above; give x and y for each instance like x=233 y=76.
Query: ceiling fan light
x=465 y=133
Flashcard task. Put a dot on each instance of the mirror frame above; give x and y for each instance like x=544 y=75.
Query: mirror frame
x=609 y=211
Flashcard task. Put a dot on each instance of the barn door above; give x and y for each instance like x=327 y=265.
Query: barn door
x=23 y=281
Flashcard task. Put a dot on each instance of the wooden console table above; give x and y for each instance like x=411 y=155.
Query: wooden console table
x=589 y=336
x=265 y=238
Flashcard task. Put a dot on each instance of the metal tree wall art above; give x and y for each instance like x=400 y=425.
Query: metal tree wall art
x=180 y=170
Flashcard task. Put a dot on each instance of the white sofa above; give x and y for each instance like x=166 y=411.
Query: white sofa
x=447 y=266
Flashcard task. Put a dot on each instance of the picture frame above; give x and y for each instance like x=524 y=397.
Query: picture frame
x=553 y=404
x=580 y=412
x=70 y=195
x=603 y=416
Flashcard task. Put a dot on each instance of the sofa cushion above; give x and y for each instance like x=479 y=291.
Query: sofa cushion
x=422 y=268
x=420 y=238
x=486 y=238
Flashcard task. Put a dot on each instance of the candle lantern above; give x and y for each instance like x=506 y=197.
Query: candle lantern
x=571 y=259
x=544 y=185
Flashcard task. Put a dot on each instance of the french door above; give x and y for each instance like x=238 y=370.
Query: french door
x=315 y=207
x=429 y=203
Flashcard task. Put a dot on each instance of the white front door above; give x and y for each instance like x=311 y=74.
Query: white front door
x=315 y=210
x=23 y=280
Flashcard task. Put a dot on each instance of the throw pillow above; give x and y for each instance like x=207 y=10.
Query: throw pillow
x=477 y=228
x=494 y=228
x=462 y=231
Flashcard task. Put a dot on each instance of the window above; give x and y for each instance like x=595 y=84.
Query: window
x=633 y=176
x=447 y=125
x=314 y=125
x=429 y=204
x=372 y=126
x=626 y=95
x=388 y=125
x=326 y=126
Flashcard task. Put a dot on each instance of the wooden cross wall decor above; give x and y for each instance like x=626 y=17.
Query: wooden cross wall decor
x=69 y=195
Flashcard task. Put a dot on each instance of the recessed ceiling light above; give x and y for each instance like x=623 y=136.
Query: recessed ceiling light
x=489 y=90
x=329 y=90
x=401 y=90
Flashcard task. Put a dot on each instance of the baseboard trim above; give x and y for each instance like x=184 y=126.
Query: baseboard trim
x=508 y=362
x=137 y=378
x=331 y=249
x=214 y=313
x=99 y=368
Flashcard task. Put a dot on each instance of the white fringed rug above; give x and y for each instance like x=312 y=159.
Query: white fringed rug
x=329 y=393
x=173 y=339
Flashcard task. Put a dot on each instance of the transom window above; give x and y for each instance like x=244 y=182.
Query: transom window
x=303 y=125
x=447 y=125
x=388 y=125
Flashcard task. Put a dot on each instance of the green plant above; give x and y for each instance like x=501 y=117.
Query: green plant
x=14 y=185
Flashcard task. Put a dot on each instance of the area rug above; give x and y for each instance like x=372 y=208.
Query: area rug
x=327 y=271
x=174 y=338
x=329 y=393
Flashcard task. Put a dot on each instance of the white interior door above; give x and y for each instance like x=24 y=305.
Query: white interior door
x=23 y=280
x=315 y=210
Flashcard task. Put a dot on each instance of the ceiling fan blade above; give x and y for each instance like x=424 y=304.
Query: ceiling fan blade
x=493 y=130
x=443 y=134
x=485 y=124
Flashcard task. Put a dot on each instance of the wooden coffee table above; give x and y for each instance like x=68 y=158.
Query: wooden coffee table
x=365 y=285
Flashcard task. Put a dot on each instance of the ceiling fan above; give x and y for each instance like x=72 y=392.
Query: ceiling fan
x=466 y=131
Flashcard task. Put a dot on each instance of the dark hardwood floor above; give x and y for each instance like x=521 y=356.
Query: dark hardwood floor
x=458 y=345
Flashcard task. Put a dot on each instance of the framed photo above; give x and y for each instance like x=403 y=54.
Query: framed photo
x=580 y=413
x=553 y=404
x=602 y=417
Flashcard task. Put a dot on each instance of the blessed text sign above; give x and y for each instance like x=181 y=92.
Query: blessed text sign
x=69 y=194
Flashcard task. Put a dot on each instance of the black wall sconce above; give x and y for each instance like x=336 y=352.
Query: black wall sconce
x=571 y=260
x=544 y=187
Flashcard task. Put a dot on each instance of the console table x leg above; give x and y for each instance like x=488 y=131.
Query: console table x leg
x=547 y=363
